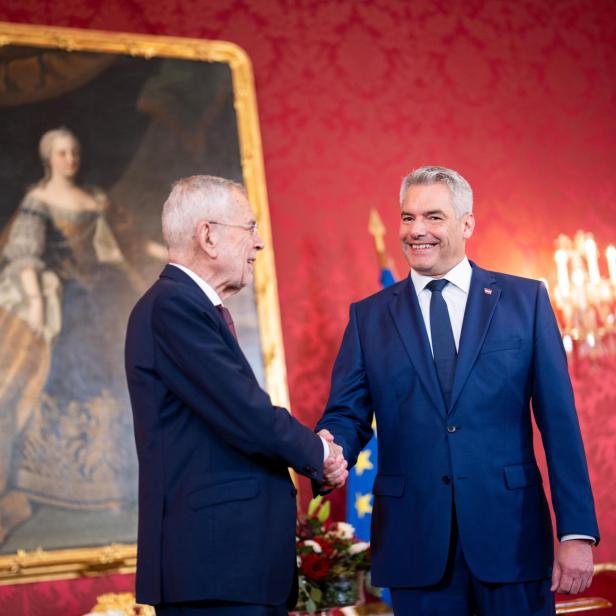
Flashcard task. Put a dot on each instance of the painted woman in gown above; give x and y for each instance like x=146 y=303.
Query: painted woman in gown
x=65 y=295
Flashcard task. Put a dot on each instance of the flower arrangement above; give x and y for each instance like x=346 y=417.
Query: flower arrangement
x=331 y=560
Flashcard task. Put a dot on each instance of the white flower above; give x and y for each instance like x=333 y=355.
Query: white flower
x=314 y=545
x=343 y=530
x=356 y=548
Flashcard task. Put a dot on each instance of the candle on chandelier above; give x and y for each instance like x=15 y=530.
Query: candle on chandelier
x=592 y=259
x=577 y=278
x=562 y=275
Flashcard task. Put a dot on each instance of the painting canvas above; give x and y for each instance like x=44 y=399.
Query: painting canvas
x=92 y=142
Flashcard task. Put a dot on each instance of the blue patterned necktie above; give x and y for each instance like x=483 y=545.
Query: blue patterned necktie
x=443 y=343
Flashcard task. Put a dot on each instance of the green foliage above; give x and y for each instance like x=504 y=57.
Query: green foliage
x=324 y=512
x=319 y=510
x=314 y=505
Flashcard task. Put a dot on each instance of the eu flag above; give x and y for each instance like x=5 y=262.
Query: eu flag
x=361 y=477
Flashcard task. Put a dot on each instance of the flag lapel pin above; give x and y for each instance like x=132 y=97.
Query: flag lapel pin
x=487 y=291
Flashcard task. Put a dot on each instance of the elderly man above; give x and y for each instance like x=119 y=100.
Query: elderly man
x=216 y=502
x=450 y=360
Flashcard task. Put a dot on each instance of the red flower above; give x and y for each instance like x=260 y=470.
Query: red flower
x=326 y=546
x=315 y=567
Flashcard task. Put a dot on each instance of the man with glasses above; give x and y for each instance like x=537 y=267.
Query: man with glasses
x=216 y=502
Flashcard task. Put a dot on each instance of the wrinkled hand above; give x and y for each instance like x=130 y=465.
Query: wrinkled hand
x=335 y=466
x=572 y=567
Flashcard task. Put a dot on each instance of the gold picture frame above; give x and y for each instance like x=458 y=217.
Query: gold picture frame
x=27 y=566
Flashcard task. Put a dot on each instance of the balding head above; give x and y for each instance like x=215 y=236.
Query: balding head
x=193 y=199
x=210 y=228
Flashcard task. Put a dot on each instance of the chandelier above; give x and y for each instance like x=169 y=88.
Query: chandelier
x=584 y=300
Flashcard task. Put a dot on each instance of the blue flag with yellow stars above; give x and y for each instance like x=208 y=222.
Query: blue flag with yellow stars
x=361 y=477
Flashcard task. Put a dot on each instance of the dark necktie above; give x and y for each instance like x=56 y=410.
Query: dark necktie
x=443 y=343
x=226 y=315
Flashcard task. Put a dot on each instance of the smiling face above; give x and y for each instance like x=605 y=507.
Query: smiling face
x=433 y=238
x=239 y=246
x=64 y=157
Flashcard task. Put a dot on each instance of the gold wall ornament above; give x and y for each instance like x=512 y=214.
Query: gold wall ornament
x=28 y=566
x=123 y=602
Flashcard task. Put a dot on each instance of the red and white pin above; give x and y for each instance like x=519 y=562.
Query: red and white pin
x=487 y=291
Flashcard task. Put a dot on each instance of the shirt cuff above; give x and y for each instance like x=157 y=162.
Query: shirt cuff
x=584 y=537
x=325 y=448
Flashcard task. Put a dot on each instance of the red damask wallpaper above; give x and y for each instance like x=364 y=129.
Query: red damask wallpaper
x=61 y=597
x=520 y=97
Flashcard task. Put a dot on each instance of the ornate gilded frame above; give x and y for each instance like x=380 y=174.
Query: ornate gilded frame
x=71 y=563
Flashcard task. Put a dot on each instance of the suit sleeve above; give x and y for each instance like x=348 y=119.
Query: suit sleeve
x=203 y=371
x=348 y=415
x=556 y=417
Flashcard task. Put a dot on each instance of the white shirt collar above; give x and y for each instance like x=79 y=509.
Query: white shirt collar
x=460 y=276
x=204 y=286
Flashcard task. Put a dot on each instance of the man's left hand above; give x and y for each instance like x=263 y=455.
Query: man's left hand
x=573 y=567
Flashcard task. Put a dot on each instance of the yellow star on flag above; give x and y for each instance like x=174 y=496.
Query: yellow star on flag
x=363 y=504
x=363 y=462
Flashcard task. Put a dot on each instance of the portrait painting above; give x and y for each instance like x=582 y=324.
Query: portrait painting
x=95 y=128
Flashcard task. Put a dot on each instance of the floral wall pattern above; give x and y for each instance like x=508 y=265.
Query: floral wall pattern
x=519 y=97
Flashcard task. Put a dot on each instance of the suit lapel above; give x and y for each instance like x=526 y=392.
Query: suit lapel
x=177 y=275
x=482 y=299
x=409 y=323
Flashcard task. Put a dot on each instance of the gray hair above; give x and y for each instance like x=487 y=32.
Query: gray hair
x=460 y=189
x=193 y=199
x=46 y=148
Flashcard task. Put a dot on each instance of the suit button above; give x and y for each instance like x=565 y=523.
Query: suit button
x=293 y=492
x=446 y=479
x=451 y=429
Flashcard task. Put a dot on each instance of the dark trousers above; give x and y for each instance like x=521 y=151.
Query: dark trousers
x=218 y=608
x=461 y=594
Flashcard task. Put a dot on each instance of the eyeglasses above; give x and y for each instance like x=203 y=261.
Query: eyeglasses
x=253 y=227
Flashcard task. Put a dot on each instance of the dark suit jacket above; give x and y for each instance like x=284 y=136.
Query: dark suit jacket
x=216 y=502
x=480 y=449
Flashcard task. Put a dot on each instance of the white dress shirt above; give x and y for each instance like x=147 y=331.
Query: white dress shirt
x=204 y=286
x=455 y=295
x=215 y=299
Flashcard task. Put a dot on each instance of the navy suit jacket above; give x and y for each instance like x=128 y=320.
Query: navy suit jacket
x=479 y=450
x=216 y=502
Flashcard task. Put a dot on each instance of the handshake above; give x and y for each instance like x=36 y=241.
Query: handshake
x=335 y=466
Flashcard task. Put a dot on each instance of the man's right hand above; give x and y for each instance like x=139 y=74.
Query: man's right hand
x=335 y=466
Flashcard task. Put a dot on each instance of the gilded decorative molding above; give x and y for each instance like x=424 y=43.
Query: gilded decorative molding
x=123 y=602
x=583 y=604
x=41 y=565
